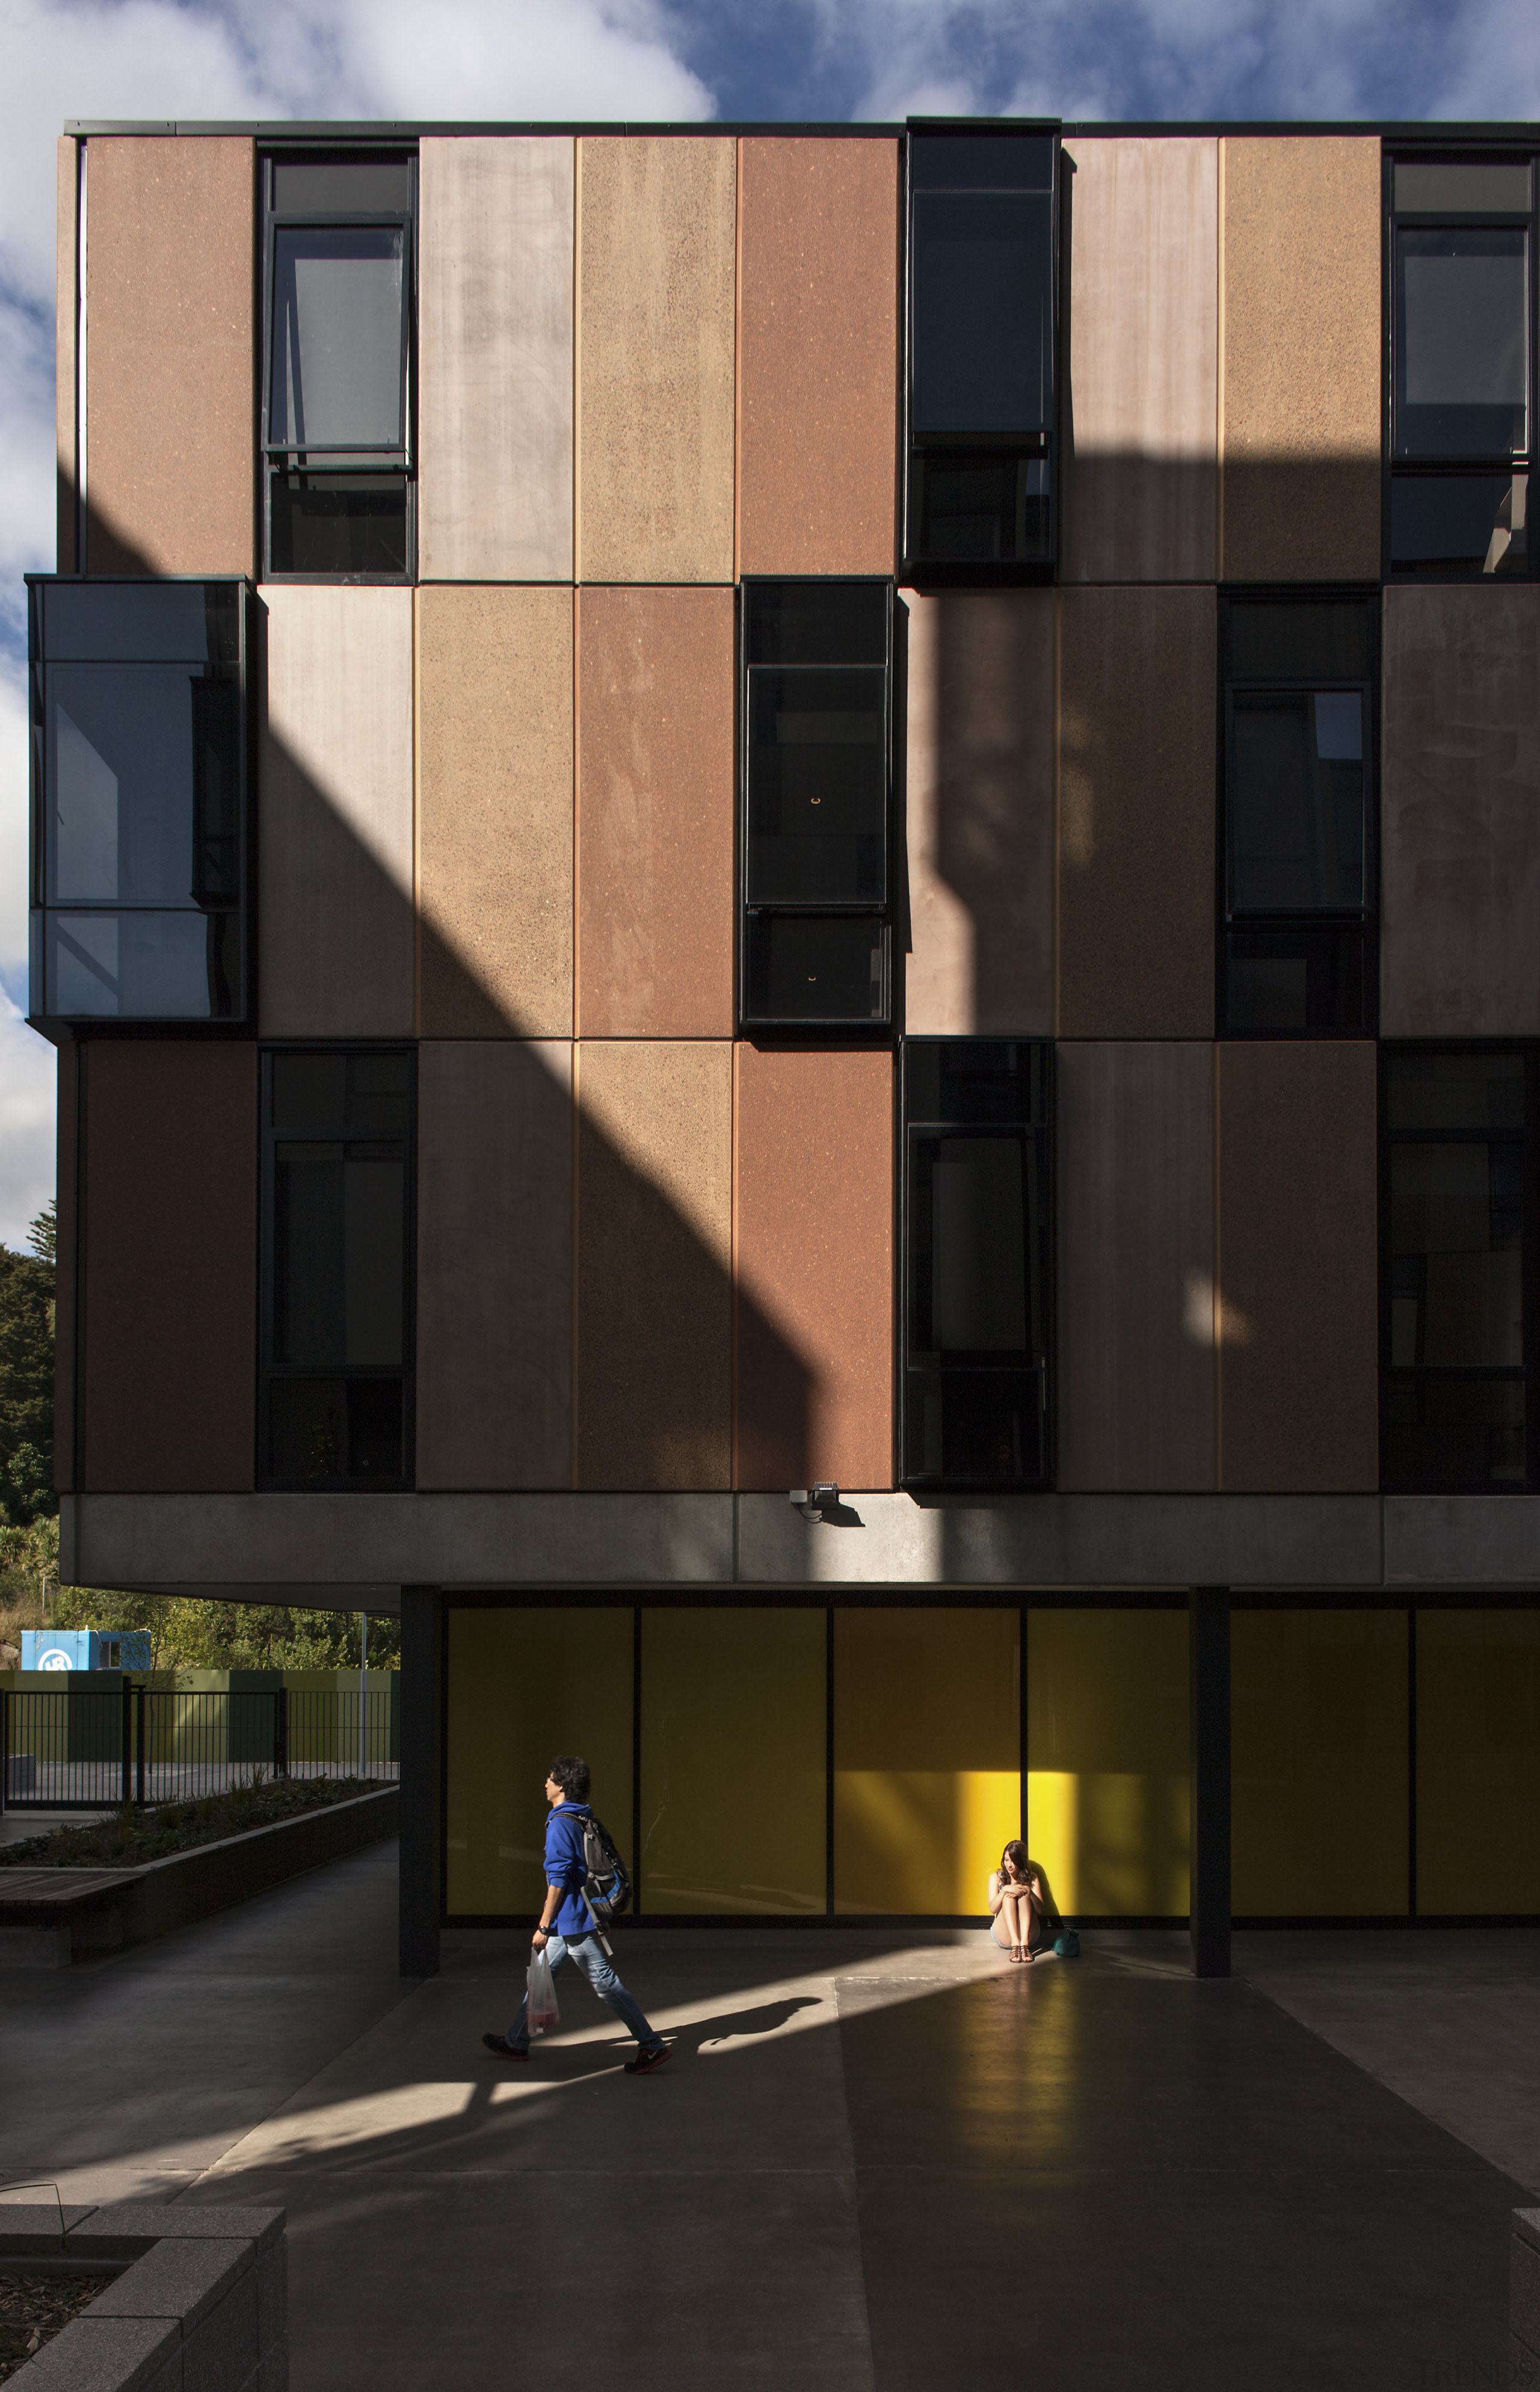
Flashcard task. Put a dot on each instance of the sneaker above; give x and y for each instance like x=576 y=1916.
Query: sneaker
x=504 y=2049
x=645 y=2061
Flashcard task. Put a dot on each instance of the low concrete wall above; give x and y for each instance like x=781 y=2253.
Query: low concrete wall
x=1524 y=2316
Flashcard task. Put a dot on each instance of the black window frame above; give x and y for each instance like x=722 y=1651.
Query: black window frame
x=401 y=464
x=269 y=1136
x=921 y=1368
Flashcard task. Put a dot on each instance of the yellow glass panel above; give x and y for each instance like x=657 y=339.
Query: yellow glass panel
x=733 y=1710
x=1478 y=1760
x=1107 y=1791
x=1318 y=1763
x=524 y=1685
x=928 y=1757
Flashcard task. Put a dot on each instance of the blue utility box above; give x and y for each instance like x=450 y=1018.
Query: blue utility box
x=85 y=1648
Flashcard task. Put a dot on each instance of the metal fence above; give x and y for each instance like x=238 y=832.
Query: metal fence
x=91 y=1750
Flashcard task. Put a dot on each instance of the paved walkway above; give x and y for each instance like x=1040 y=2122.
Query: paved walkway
x=873 y=2164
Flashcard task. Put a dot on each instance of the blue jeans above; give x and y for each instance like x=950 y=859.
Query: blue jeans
x=589 y=1953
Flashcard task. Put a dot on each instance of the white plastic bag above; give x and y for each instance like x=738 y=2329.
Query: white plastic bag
x=543 y=2013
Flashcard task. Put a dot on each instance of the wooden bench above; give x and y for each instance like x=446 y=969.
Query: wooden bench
x=39 y=1907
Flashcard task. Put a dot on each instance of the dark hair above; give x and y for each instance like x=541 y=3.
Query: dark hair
x=1017 y=1851
x=571 y=1775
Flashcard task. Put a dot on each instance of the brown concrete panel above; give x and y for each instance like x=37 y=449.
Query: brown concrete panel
x=655 y=887
x=1460 y=813
x=818 y=355
x=1138 y=697
x=979 y=809
x=813 y=1241
x=1298 y=1266
x=168 y=1360
x=1300 y=363
x=65 y=1308
x=66 y=327
x=1140 y=489
x=171 y=355
x=334 y=820
x=494 y=1263
x=494 y=340
x=1136 y=1267
x=494 y=806
x=654 y=1360
x=656 y=369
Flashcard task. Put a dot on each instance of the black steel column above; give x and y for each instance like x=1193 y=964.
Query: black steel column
x=1208 y=1661
x=422 y=1863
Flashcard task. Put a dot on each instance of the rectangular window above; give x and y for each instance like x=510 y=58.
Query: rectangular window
x=1299 y=952
x=338 y=1189
x=1459 y=1231
x=817 y=780
x=983 y=350
x=1462 y=363
x=139 y=775
x=978 y=1247
x=338 y=367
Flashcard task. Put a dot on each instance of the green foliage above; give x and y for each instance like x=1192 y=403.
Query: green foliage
x=27 y=1377
x=129 y=1837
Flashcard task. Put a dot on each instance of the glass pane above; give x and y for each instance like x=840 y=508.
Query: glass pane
x=816 y=786
x=1300 y=642
x=1462 y=353
x=186 y=623
x=338 y=1255
x=1453 y=1433
x=816 y=622
x=144 y=966
x=1432 y=188
x=142 y=766
x=974 y=1080
x=971 y=1234
x=1295 y=800
x=983 y=324
x=360 y=1094
x=983 y=1427
x=737 y=1698
x=1478 y=1789
x=326 y=1430
x=807 y=968
x=1457 y=1221
x=337 y=337
x=1106 y=1804
x=338 y=523
x=1459 y=522
x=1456 y=1092
x=976 y=506
x=1296 y=978
x=329 y=187
x=981 y=162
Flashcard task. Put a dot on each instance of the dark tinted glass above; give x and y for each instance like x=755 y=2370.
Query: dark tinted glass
x=143 y=784
x=339 y=523
x=812 y=968
x=334 y=186
x=1300 y=642
x=190 y=622
x=1295 y=800
x=1454 y=1092
x=980 y=1427
x=1432 y=188
x=321 y=1431
x=982 y=313
x=337 y=363
x=973 y=1201
x=1297 y=977
x=1459 y=522
x=981 y=1080
x=981 y=162
x=1462 y=343
x=816 y=622
x=341 y=1095
x=143 y=967
x=816 y=786
x=339 y=1255
x=978 y=506
x=1465 y=1432
x=1456 y=1231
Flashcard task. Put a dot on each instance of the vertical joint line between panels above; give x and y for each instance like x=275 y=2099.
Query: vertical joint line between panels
x=1219 y=374
x=1217 y=1292
x=1411 y=1760
x=828 y=1760
x=82 y=331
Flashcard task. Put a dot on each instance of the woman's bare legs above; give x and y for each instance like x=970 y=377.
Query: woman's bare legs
x=1010 y=1910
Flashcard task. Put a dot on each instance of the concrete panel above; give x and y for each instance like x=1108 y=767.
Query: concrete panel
x=65 y=1303
x=1136 y=1265
x=655 y=888
x=334 y=841
x=169 y=1256
x=495 y=812
x=818 y=355
x=1138 y=698
x=1300 y=358
x=656 y=344
x=813 y=1242
x=1462 y=1540
x=1141 y=487
x=171 y=355
x=654 y=1360
x=979 y=808
x=66 y=352
x=1460 y=814
x=494 y=1263
x=1298 y=1266
x=495 y=344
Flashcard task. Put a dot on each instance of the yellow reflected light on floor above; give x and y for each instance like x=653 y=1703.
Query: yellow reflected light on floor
x=1108 y=1801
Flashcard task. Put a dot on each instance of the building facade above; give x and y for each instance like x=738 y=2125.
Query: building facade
x=790 y=886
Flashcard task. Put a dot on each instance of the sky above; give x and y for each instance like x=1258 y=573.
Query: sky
x=771 y=61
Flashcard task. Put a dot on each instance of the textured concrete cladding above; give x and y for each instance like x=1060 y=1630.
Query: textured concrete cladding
x=494 y=833
x=335 y=810
x=1137 y=709
x=1136 y=1265
x=655 y=902
x=1460 y=813
x=1140 y=416
x=1301 y=366
x=656 y=369
x=495 y=359
x=1299 y=1320
x=979 y=812
x=493 y=1268
x=813 y=1241
x=169 y=1310
x=171 y=284
x=66 y=388
x=818 y=355
x=654 y=1312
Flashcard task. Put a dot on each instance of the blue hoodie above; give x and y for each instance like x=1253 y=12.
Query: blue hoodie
x=565 y=1867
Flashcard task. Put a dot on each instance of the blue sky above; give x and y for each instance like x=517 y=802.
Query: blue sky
x=773 y=59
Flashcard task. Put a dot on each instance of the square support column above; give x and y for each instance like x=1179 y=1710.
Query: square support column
x=422 y=1863
x=1208 y=1656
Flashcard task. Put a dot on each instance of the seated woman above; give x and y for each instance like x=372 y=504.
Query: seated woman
x=1021 y=1905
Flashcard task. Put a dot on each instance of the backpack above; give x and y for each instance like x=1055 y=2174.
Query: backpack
x=607 y=1886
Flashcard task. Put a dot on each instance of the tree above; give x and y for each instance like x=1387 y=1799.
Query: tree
x=27 y=1376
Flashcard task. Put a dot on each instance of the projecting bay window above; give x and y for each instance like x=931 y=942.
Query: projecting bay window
x=139 y=776
x=978 y=1262
x=817 y=777
x=337 y=384
x=1462 y=363
x=336 y=1398
x=982 y=351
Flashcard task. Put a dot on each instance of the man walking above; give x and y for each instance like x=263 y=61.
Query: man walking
x=566 y=1930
